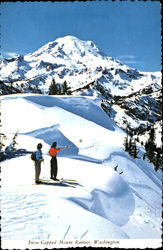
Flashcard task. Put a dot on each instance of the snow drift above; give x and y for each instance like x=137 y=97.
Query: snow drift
x=104 y=205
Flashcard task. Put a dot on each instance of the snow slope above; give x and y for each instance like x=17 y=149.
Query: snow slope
x=104 y=206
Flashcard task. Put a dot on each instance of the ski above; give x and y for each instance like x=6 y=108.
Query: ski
x=56 y=183
x=70 y=181
x=60 y=181
x=64 y=182
x=50 y=181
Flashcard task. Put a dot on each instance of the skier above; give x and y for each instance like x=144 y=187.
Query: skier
x=38 y=161
x=116 y=169
x=53 y=162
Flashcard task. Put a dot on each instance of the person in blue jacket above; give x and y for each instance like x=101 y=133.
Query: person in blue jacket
x=38 y=161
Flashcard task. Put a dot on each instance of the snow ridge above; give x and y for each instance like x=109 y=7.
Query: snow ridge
x=123 y=206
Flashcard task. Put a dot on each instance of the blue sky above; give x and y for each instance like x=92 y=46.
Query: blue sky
x=126 y=30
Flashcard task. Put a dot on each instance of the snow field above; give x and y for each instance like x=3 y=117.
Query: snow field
x=46 y=203
x=105 y=205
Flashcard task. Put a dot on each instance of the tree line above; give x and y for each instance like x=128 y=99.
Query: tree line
x=152 y=152
x=58 y=89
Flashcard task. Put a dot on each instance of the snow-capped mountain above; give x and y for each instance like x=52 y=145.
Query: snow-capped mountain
x=127 y=95
x=80 y=63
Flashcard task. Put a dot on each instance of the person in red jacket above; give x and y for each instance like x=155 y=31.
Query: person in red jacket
x=53 y=162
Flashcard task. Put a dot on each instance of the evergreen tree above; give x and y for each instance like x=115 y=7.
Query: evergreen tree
x=126 y=141
x=158 y=160
x=130 y=146
x=53 y=89
x=14 y=141
x=66 y=89
x=2 y=138
x=153 y=153
x=150 y=145
x=135 y=150
x=126 y=144
x=157 y=163
x=144 y=156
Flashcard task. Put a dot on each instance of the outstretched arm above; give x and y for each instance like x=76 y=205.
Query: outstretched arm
x=64 y=147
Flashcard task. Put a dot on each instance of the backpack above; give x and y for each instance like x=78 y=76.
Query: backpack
x=33 y=156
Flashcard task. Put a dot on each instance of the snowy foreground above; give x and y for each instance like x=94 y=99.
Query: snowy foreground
x=105 y=209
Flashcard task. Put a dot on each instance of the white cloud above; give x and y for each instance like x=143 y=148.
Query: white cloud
x=131 y=62
x=8 y=54
x=127 y=57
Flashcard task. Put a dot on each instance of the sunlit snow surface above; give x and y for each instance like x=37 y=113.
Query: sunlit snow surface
x=105 y=205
